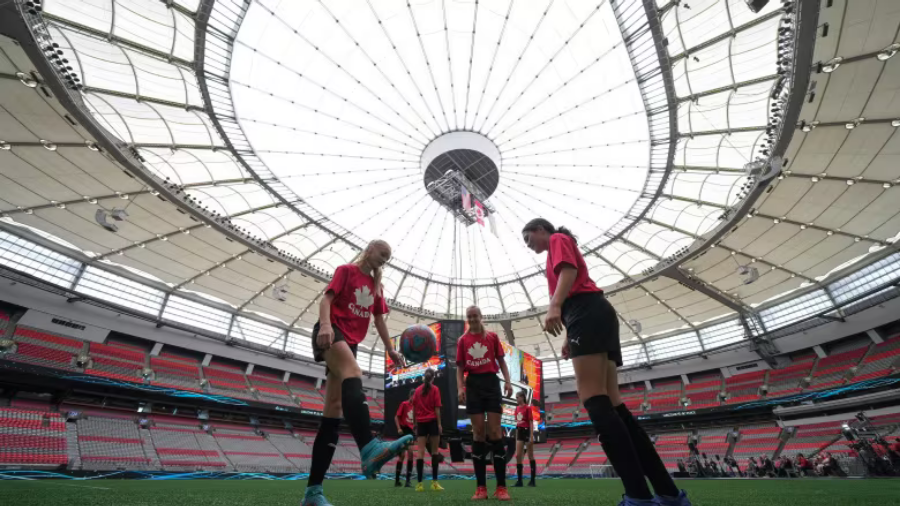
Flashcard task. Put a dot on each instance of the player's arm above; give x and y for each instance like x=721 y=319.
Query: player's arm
x=437 y=413
x=460 y=385
x=553 y=320
x=397 y=421
x=326 y=332
x=381 y=327
x=507 y=385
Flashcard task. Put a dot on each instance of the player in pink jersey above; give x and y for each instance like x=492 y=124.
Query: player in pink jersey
x=524 y=438
x=427 y=412
x=479 y=356
x=405 y=426
x=579 y=308
x=352 y=298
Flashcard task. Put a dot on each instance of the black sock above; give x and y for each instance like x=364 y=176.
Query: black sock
x=479 y=462
x=323 y=450
x=399 y=469
x=435 y=462
x=533 y=469
x=651 y=463
x=420 y=468
x=356 y=413
x=616 y=442
x=519 y=471
x=408 y=469
x=499 y=451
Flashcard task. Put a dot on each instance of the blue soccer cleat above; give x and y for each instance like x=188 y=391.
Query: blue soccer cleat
x=314 y=496
x=628 y=501
x=680 y=500
x=377 y=453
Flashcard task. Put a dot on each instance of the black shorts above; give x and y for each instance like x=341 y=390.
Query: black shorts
x=483 y=394
x=319 y=353
x=522 y=434
x=592 y=326
x=428 y=429
x=406 y=431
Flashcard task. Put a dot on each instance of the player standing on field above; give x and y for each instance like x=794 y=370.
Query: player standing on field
x=350 y=300
x=405 y=426
x=592 y=342
x=480 y=354
x=524 y=438
x=427 y=412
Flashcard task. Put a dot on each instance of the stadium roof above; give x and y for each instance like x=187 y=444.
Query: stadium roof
x=262 y=143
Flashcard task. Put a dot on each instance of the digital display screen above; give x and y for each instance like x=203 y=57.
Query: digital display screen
x=395 y=376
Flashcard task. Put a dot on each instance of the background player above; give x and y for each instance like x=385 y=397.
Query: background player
x=524 y=438
x=480 y=354
x=351 y=298
x=427 y=412
x=592 y=341
x=405 y=427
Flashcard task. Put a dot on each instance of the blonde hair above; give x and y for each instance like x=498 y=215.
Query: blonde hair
x=364 y=256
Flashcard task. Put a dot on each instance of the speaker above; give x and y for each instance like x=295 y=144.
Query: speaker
x=457 y=450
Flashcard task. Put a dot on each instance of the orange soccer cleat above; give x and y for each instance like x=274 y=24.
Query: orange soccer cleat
x=480 y=494
x=502 y=494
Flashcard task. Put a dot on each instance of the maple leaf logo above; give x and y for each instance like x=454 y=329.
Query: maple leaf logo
x=409 y=415
x=364 y=297
x=477 y=351
x=518 y=417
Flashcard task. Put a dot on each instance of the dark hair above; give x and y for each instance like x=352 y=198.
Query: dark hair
x=524 y=396
x=541 y=223
x=429 y=379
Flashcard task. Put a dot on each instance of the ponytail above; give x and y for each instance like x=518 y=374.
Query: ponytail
x=429 y=379
x=541 y=223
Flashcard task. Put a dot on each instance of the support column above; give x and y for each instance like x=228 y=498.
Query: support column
x=206 y=360
x=819 y=351
x=157 y=348
x=725 y=372
x=286 y=377
x=249 y=370
x=874 y=336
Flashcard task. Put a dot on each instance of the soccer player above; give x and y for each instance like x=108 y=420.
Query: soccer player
x=578 y=307
x=405 y=427
x=427 y=412
x=352 y=297
x=524 y=438
x=480 y=354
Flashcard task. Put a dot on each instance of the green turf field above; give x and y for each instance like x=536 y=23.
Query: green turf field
x=376 y=493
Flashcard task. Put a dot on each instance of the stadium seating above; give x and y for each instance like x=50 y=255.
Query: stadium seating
x=744 y=387
x=714 y=441
x=633 y=396
x=174 y=371
x=832 y=371
x=671 y=447
x=306 y=392
x=32 y=438
x=108 y=443
x=294 y=449
x=270 y=388
x=228 y=380
x=665 y=395
x=45 y=349
x=810 y=439
x=882 y=360
x=786 y=380
x=756 y=440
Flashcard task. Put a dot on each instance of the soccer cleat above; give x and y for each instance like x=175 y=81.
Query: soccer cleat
x=377 y=453
x=408 y=485
x=501 y=494
x=436 y=486
x=314 y=497
x=397 y=483
x=628 y=501
x=420 y=487
x=518 y=484
x=532 y=483
x=680 y=500
x=480 y=494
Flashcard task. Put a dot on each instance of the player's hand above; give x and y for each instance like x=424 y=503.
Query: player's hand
x=325 y=336
x=507 y=389
x=396 y=357
x=440 y=428
x=553 y=321
x=565 y=350
x=461 y=394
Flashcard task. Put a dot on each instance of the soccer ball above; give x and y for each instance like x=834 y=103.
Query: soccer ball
x=418 y=343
